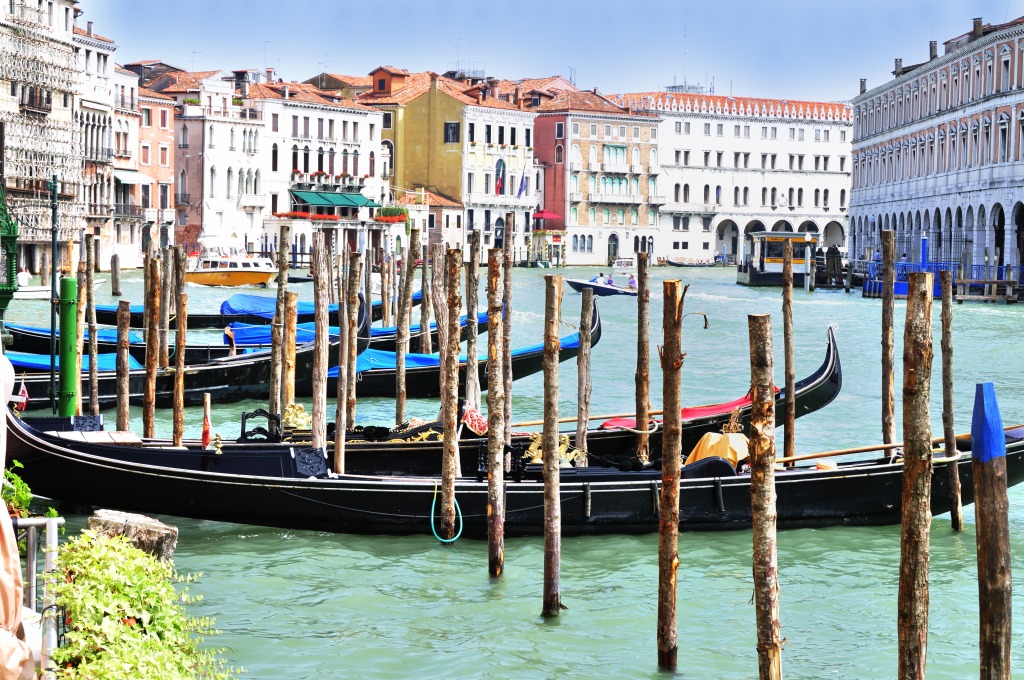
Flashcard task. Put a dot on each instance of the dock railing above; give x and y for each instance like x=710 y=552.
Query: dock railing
x=41 y=602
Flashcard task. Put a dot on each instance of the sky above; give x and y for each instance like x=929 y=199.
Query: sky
x=788 y=49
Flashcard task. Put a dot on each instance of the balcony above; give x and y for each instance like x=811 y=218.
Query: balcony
x=616 y=167
x=122 y=153
x=656 y=200
x=100 y=155
x=594 y=166
x=616 y=198
x=166 y=216
x=150 y=215
x=182 y=199
x=98 y=210
x=36 y=103
x=575 y=197
x=251 y=201
x=127 y=210
x=182 y=145
x=230 y=112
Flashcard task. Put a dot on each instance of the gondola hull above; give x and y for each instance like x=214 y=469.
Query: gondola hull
x=289 y=487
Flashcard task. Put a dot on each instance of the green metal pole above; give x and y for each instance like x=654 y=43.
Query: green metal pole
x=69 y=380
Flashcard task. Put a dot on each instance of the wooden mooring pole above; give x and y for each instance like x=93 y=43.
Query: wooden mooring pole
x=80 y=312
x=355 y=268
x=404 y=314
x=671 y=461
x=274 y=404
x=115 y=275
x=643 y=357
x=549 y=439
x=956 y=508
x=472 y=303
x=450 y=464
x=167 y=277
x=152 y=313
x=583 y=386
x=495 y=422
x=888 y=307
x=320 y=270
x=90 y=303
x=789 y=420
x=426 y=340
x=991 y=512
x=180 y=330
x=341 y=396
x=291 y=312
x=912 y=606
x=124 y=318
x=762 y=497
x=510 y=228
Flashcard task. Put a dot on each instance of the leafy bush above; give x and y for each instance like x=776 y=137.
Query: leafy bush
x=125 y=617
x=16 y=494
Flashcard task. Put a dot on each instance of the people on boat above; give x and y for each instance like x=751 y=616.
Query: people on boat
x=598 y=279
x=610 y=281
x=24 y=277
x=903 y=257
x=632 y=282
x=878 y=256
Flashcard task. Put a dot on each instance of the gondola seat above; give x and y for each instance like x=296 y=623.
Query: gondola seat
x=712 y=466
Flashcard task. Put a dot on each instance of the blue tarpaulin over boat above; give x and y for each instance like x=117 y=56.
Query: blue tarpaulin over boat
x=265 y=306
x=102 y=334
x=371 y=359
x=41 y=362
x=136 y=309
x=249 y=334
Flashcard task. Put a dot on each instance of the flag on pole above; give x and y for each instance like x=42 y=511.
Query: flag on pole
x=499 y=177
x=21 y=403
x=522 y=185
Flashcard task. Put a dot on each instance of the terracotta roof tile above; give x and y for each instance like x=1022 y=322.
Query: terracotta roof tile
x=94 y=36
x=301 y=92
x=783 y=108
x=187 y=81
x=586 y=101
x=353 y=81
x=416 y=85
x=431 y=198
x=150 y=94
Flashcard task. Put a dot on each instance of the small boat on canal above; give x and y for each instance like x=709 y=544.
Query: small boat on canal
x=600 y=289
x=224 y=262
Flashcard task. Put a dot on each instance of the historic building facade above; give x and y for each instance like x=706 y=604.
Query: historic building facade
x=938 y=152
x=38 y=83
x=731 y=166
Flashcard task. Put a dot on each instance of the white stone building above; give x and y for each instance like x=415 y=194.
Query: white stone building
x=731 y=166
x=38 y=82
x=939 y=153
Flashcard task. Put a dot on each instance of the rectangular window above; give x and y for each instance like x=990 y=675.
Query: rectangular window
x=622 y=131
x=636 y=132
x=654 y=133
x=330 y=129
x=736 y=160
x=305 y=127
x=707 y=128
x=775 y=132
x=146 y=198
x=144 y=154
x=800 y=134
x=800 y=162
x=387 y=120
x=470 y=132
x=164 y=155
x=487 y=134
x=487 y=183
x=679 y=157
x=147 y=117
x=165 y=196
x=764 y=132
x=792 y=133
x=773 y=161
x=470 y=225
x=319 y=128
x=501 y=134
x=679 y=127
x=575 y=129
x=295 y=126
x=707 y=159
x=842 y=135
x=824 y=135
x=842 y=163
x=593 y=129
x=273 y=203
x=274 y=122
x=526 y=136
x=559 y=130
x=736 y=131
x=824 y=164
x=608 y=131
x=163 y=118
x=718 y=160
x=817 y=135
x=451 y=132
x=686 y=158
x=720 y=129
x=764 y=161
x=746 y=159
x=686 y=128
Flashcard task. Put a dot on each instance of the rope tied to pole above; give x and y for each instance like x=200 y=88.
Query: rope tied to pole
x=458 y=511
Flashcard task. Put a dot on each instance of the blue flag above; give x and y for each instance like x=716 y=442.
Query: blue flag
x=522 y=185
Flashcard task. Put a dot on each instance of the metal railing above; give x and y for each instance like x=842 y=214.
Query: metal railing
x=182 y=199
x=127 y=210
x=100 y=155
x=31 y=527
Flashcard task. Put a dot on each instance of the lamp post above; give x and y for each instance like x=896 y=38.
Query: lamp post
x=808 y=254
x=54 y=298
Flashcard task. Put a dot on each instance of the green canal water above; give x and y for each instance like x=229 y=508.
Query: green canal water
x=297 y=604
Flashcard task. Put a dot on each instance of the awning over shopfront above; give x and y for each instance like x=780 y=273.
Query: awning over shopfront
x=329 y=198
x=312 y=198
x=132 y=177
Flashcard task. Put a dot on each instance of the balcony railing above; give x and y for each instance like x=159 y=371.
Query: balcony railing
x=99 y=209
x=251 y=201
x=100 y=155
x=127 y=210
x=616 y=167
x=37 y=103
x=182 y=145
x=122 y=153
x=615 y=198
x=182 y=199
x=654 y=199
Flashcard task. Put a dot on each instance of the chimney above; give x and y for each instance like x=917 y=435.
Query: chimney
x=863 y=85
x=595 y=91
x=286 y=91
x=933 y=50
x=88 y=26
x=975 y=29
x=479 y=97
x=270 y=74
x=898 y=71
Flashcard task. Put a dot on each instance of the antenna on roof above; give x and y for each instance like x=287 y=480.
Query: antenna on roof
x=320 y=82
x=194 y=53
x=572 y=76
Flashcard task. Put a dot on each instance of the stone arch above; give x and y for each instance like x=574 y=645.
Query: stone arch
x=727 y=235
x=782 y=225
x=746 y=242
x=1018 y=232
x=833 y=235
x=808 y=226
x=998 y=222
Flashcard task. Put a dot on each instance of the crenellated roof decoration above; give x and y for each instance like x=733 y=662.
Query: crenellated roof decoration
x=735 y=106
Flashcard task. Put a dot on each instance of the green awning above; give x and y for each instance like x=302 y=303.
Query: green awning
x=361 y=201
x=312 y=198
x=341 y=200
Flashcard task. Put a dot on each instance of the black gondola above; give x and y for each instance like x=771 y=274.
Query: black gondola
x=424 y=380
x=293 y=487
x=227 y=379
x=107 y=315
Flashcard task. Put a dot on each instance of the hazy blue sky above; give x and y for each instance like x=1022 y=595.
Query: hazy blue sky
x=793 y=49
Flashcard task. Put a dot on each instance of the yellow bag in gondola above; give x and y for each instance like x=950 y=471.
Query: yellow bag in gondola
x=732 y=446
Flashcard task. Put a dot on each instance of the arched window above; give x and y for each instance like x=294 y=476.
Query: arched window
x=636 y=186
x=592 y=182
x=707 y=193
x=718 y=194
x=775 y=196
x=606 y=216
x=824 y=198
x=344 y=162
x=604 y=185
x=182 y=186
x=746 y=195
x=575 y=243
x=574 y=184
x=791 y=192
x=242 y=184
x=592 y=215
x=273 y=158
x=373 y=165
x=686 y=193
x=295 y=158
x=636 y=244
x=231 y=140
x=256 y=183
x=330 y=162
x=652 y=188
x=800 y=197
x=634 y=216
x=209 y=140
x=213 y=182
x=842 y=198
x=736 y=196
x=636 y=158
x=590 y=244
x=305 y=159
x=575 y=215
x=575 y=154
x=654 y=158
x=677 y=192
x=320 y=159
x=355 y=163
x=558 y=153
x=593 y=154
x=184 y=137
x=817 y=197
x=622 y=216
x=231 y=180
x=650 y=218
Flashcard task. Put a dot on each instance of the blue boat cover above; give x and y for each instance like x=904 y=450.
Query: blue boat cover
x=384 y=331
x=41 y=362
x=103 y=334
x=371 y=359
x=265 y=306
x=249 y=334
x=135 y=309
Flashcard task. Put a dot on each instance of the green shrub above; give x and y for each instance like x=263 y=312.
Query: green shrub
x=125 y=618
x=16 y=494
